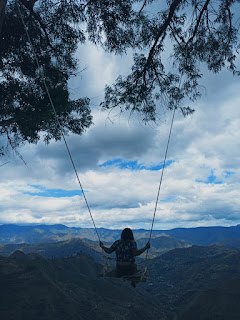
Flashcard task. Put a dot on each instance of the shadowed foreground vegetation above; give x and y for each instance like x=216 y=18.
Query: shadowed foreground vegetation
x=185 y=283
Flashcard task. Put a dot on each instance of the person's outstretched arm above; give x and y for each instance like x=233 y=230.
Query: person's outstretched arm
x=137 y=252
x=107 y=250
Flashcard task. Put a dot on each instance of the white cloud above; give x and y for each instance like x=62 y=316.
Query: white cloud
x=204 y=144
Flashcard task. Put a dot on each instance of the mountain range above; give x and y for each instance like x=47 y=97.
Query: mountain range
x=51 y=233
x=63 y=249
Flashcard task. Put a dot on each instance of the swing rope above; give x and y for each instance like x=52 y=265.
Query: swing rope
x=4 y=164
x=161 y=178
x=66 y=144
x=56 y=116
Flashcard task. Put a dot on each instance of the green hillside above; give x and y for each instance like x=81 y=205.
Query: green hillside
x=162 y=244
x=181 y=277
x=50 y=250
x=220 y=302
x=230 y=243
x=33 y=287
x=66 y=248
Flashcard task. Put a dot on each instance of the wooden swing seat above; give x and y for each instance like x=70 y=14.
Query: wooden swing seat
x=140 y=276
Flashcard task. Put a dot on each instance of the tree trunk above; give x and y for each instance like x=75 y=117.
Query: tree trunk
x=2 y=13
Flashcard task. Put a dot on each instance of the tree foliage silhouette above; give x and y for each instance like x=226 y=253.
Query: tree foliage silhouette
x=195 y=32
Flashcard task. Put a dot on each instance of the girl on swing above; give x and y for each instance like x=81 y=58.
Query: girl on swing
x=126 y=251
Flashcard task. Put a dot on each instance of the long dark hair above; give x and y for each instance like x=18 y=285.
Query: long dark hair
x=127 y=234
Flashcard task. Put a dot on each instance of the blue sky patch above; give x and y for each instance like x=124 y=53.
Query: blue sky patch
x=133 y=165
x=211 y=179
x=168 y=199
x=227 y=173
x=55 y=193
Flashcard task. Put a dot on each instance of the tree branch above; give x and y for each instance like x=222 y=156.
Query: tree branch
x=29 y=5
x=163 y=28
x=2 y=13
x=144 y=4
x=229 y=17
x=175 y=34
x=204 y=8
x=161 y=33
x=8 y=122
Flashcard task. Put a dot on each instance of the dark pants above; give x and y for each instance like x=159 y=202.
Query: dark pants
x=126 y=270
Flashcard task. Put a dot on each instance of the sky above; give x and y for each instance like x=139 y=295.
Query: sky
x=119 y=162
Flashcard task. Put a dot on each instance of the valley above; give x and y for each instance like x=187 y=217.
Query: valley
x=62 y=279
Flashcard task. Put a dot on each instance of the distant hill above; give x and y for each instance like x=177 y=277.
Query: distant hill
x=59 y=249
x=33 y=287
x=63 y=249
x=205 y=236
x=182 y=279
x=162 y=244
x=52 y=233
x=11 y=233
x=230 y=243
